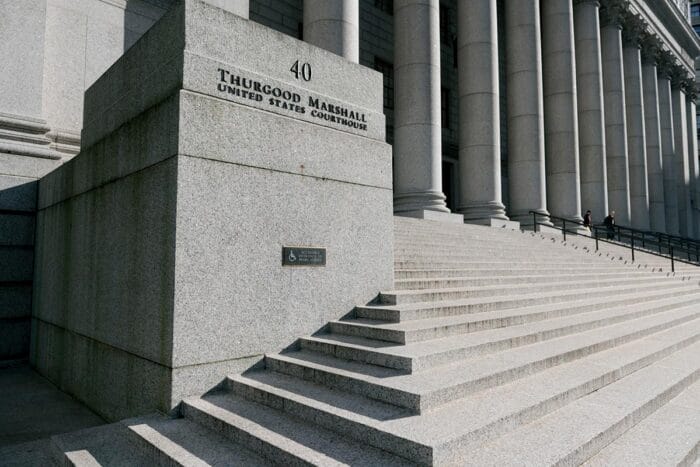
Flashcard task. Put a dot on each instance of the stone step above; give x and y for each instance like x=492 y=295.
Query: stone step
x=481 y=262
x=427 y=390
x=669 y=436
x=280 y=437
x=434 y=435
x=572 y=434
x=183 y=442
x=426 y=354
x=400 y=297
x=451 y=325
x=452 y=282
x=515 y=270
x=106 y=445
x=424 y=310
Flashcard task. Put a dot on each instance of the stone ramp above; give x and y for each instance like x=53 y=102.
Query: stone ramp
x=515 y=350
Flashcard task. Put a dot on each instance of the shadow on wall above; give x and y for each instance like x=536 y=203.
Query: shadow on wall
x=137 y=16
x=17 y=221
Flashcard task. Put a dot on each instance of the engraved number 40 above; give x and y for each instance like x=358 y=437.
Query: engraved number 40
x=302 y=70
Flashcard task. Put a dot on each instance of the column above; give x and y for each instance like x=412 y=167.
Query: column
x=668 y=149
x=693 y=162
x=591 y=119
x=560 y=110
x=636 y=139
x=615 y=118
x=682 y=175
x=239 y=7
x=334 y=25
x=417 y=126
x=479 y=116
x=526 y=169
x=652 y=131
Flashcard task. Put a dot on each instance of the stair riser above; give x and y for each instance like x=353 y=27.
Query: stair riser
x=592 y=447
x=359 y=355
x=491 y=431
x=238 y=435
x=459 y=391
x=395 y=316
x=386 y=335
x=157 y=456
x=426 y=362
x=428 y=273
x=515 y=280
x=381 y=393
x=547 y=286
x=490 y=262
x=407 y=449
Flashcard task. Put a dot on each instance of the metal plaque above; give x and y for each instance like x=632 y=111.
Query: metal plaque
x=303 y=256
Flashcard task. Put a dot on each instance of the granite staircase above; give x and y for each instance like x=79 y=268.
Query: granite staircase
x=494 y=348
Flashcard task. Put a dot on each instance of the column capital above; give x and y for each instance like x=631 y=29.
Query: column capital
x=691 y=88
x=634 y=29
x=679 y=75
x=651 y=48
x=612 y=12
x=665 y=63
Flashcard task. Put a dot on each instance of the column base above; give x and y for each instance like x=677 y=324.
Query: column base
x=483 y=213
x=430 y=215
x=526 y=219
x=419 y=201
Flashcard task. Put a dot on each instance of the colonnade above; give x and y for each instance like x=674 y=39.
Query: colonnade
x=600 y=113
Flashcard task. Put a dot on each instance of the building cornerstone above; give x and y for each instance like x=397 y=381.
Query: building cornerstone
x=209 y=147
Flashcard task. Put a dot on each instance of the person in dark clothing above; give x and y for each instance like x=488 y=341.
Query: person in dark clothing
x=609 y=223
x=587 y=221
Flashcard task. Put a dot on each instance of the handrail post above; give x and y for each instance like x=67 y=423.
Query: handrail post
x=658 y=240
x=595 y=232
x=670 y=249
x=564 y=229
x=534 y=221
x=619 y=236
x=643 y=243
x=632 y=245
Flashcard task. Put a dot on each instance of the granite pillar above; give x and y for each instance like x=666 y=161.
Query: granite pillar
x=636 y=139
x=652 y=131
x=591 y=119
x=668 y=151
x=334 y=25
x=615 y=118
x=560 y=110
x=479 y=116
x=693 y=163
x=526 y=169
x=417 y=125
x=682 y=175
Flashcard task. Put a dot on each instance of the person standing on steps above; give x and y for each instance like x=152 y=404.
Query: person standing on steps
x=609 y=223
x=587 y=220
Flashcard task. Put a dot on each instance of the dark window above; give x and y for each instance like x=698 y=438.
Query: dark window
x=387 y=6
x=695 y=10
x=445 y=107
x=445 y=36
x=386 y=69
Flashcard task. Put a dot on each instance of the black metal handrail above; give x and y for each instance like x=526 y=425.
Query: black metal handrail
x=658 y=240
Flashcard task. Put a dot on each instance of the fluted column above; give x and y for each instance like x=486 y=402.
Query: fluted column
x=591 y=119
x=652 y=131
x=693 y=162
x=636 y=138
x=417 y=126
x=615 y=118
x=526 y=170
x=560 y=110
x=479 y=116
x=334 y=25
x=680 y=136
x=668 y=151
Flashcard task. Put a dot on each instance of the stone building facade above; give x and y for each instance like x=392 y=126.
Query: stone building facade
x=494 y=108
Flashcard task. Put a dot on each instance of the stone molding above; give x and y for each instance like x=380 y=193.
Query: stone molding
x=26 y=136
